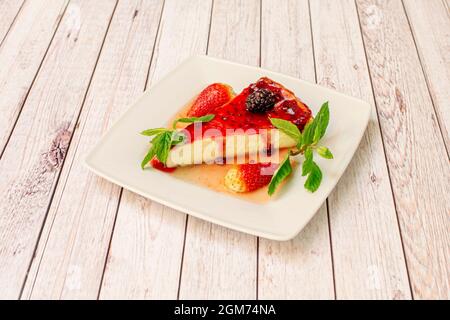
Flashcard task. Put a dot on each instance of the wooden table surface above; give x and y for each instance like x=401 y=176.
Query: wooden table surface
x=68 y=69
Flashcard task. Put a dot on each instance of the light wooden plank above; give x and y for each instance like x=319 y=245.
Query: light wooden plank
x=417 y=159
x=9 y=10
x=367 y=249
x=430 y=23
x=146 y=250
x=74 y=244
x=300 y=268
x=21 y=55
x=219 y=263
x=32 y=160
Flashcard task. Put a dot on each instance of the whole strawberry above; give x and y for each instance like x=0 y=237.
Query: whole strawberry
x=249 y=177
x=212 y=97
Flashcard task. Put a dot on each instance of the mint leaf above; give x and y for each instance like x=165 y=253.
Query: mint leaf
x=283 y=171
x=314 y=179
x=205 y=118
x=315 y=129
x=152 y=132
x=308 y=133
x=308 y=154
x=150 y=154
x=322 y=118
x=308 y=163
x=324 y=152
x=288 y=128
x=153 y=149
x=162 y=145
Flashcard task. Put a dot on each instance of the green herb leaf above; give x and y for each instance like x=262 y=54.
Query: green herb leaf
x=283 y=171
x=152 y=132
x=288 y=128
x=308 y=133
x=205 y=118
x=162 y=145
x=324 y=152
x=153 y=149
x=150 y=154
x=308 y=163
x=308 y=154
x=314 y=179
x=322 y=118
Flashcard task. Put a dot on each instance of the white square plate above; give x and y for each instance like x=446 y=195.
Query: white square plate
x=118 y=155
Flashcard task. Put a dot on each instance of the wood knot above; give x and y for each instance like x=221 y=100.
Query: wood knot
x=58 y=149
x=327 y=82
x=400 y=101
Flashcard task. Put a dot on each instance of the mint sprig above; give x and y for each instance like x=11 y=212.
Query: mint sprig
x=152 y=132
x=205 y=118
x=164 y=139
x=160 y=146
x=306 y=144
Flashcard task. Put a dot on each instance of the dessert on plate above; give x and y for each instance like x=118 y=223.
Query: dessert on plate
x=242 y=142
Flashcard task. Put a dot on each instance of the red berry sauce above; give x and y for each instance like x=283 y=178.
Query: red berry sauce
x=155 y=163
x=234 y=115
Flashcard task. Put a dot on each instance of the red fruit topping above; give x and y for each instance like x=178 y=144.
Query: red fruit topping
x=155 y=163
x=249 y=177
x=256 y=175
x=234 y=114
x=290 y=111
x=212 y=97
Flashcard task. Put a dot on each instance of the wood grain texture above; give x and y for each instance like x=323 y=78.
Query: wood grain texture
x=69 y=234
x=363 y=222
x=220 y=263
x=33 y=158
x=430 y=23
x=71 y=255
x=21 y=55
x=302 y=267
x=9 y=10
x=419 y=168
x=146 y=250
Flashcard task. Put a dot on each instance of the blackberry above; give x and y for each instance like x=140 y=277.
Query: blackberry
x=260 y=101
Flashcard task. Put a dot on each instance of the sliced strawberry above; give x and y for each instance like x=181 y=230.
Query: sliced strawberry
x=155 y=163
x=212 y=97
x=249 y=177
